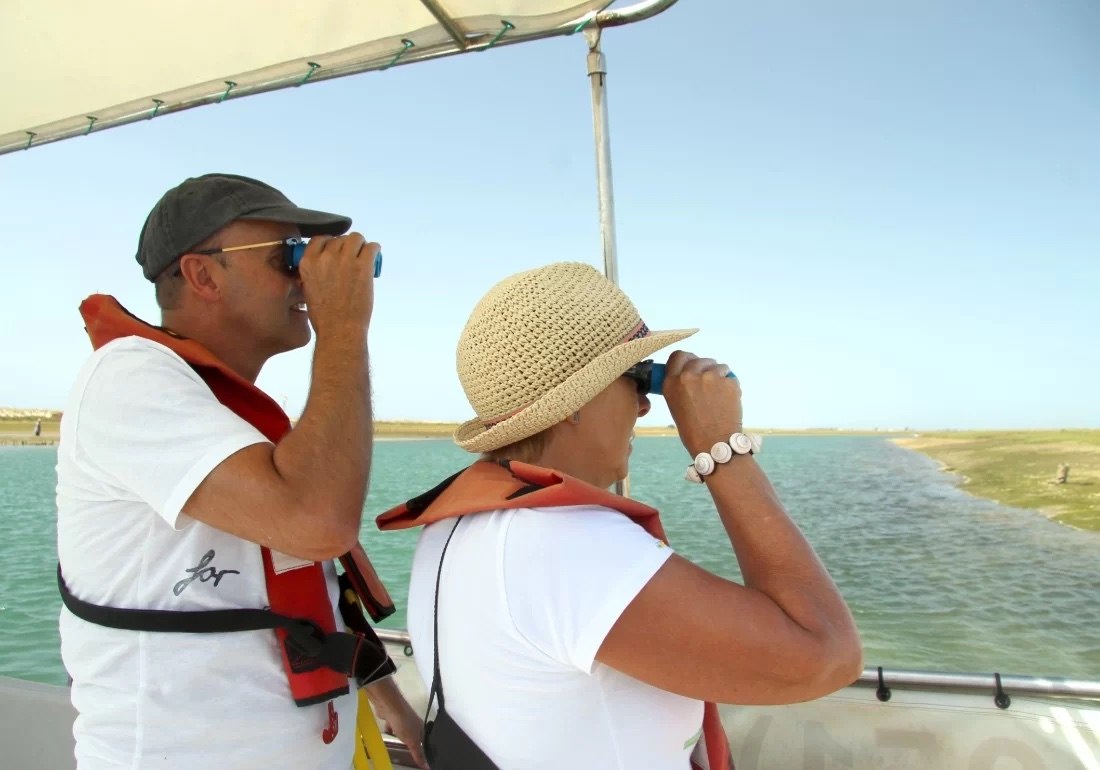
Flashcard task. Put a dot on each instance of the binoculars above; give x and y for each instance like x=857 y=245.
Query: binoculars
x=296 y=247
x=651 y=377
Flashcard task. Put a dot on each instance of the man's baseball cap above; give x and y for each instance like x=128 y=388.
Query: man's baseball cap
x=190 y=213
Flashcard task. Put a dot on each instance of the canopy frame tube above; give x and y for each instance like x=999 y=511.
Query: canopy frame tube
x=445 y=21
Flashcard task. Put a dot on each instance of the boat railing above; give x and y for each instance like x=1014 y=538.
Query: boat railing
x=998 y=686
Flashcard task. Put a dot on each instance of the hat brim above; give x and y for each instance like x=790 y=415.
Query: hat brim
x=310 y=221
x=565 y=399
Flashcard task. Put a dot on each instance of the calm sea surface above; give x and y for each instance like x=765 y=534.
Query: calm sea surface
x=937 y=579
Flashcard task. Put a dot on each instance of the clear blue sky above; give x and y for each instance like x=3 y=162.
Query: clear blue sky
x=880 y=214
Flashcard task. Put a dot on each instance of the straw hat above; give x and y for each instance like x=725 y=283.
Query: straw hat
x=543 y=343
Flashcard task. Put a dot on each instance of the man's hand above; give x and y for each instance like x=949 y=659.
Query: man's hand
x=400 y=719
x=338 y=280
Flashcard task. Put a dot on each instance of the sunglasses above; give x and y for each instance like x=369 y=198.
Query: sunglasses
x=643 y=375
x=292 y=248
x=649 y=377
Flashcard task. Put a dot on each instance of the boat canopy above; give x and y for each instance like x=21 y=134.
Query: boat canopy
x=73 y=68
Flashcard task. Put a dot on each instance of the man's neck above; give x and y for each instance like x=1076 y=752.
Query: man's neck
x=216 y=341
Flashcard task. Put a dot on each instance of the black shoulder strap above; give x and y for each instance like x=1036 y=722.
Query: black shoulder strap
x=437 y=678
x=446 y=744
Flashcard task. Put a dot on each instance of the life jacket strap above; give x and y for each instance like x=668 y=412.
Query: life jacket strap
x=358 y=654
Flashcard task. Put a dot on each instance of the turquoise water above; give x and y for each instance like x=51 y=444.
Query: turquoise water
x=937 y=579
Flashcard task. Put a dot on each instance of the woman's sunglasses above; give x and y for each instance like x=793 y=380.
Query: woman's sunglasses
x=642 y=374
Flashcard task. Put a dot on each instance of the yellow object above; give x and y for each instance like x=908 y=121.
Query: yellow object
x=370 y=750
x=361 y=761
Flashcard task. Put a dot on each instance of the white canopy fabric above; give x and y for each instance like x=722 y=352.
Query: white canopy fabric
x=70 y=67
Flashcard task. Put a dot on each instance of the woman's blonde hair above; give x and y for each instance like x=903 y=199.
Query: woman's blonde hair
x=526 y=450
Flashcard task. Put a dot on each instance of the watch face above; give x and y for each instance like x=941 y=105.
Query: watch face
x=741 y=443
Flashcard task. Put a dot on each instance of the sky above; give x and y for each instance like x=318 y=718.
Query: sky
x=880 y=215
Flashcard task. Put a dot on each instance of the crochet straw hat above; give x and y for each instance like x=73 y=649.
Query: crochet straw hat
x=543 y=343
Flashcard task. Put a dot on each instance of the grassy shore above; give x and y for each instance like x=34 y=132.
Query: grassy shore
x=412 y=429
x=1018 y=468
x=20 y=431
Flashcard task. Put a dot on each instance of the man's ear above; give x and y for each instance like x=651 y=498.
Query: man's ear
x=200 y=274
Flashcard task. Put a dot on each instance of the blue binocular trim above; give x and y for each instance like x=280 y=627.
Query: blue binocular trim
x=294 y=255
x=296 y=250
x=657 y=379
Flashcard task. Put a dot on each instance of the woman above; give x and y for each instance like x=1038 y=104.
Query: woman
x=570 y=634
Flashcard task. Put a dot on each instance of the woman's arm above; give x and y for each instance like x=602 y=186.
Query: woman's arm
x=786 y=635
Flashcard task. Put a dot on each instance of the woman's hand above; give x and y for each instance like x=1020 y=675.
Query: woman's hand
x=705 y=404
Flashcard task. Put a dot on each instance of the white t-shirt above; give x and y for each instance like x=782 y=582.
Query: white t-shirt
x=140 y=432
x=526 y=599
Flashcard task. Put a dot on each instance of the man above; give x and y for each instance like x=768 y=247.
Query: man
x=182 y=487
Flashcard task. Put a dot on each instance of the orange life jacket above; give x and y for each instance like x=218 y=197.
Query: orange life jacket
x=297 y=593
x=489 y=486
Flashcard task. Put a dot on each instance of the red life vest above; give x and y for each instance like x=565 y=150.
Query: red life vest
x=300 y=592
x=490 y=486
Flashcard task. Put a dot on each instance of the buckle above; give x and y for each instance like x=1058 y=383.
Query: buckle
x=306 y=638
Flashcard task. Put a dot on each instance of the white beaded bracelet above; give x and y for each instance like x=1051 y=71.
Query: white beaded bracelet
x=705 y=463
x=721 y=452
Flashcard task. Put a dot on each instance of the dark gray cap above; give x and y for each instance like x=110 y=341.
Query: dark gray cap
x=190 y=213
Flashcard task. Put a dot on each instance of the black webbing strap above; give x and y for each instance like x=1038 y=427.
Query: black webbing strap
x=437 y=678
x=183 y=621
x=446 y=745
x=341 y=651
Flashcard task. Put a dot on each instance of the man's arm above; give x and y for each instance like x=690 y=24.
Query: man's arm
x=305 y=496
x=399 y=717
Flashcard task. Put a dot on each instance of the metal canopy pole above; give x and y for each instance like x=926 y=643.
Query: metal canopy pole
x=597 y=74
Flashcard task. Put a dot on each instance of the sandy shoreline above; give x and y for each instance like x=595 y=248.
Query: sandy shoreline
x=1013 y=468
x=1019 y=468
x=20 y=432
